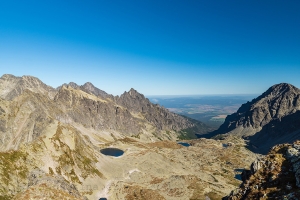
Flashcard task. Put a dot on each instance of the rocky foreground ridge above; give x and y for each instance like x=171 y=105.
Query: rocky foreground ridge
x=270 y=119
x=274 y=176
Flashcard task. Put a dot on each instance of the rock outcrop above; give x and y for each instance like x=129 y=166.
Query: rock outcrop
x=12 y=86
x=276 y=175
x=270 y=119
x=88 y=88
x=153 y=113
x=47 y=186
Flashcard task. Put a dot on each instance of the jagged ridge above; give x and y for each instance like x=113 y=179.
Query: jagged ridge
x=269 y=119
x=29 y=106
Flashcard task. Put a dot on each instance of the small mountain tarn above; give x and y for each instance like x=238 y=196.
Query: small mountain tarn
x=115 y=152
x=185 y=144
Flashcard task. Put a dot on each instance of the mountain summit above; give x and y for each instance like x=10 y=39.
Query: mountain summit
x=12 y=86
x=269 y=119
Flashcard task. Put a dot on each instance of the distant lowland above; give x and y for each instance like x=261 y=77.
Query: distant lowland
x=209 y=109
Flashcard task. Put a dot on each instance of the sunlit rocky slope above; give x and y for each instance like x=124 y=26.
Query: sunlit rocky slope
x=28 y=107
x=50 y=142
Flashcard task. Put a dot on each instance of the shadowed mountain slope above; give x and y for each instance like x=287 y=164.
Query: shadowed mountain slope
x=271 y=118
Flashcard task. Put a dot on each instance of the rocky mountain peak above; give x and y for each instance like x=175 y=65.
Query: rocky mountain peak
x=88 y=88
x=89 y=85
x=91 y=89
x=280 y=90
x=133 y=92
x=71 y=84
x=12 y=86
x=263 y=117
x=7 y=76
x=135 y=101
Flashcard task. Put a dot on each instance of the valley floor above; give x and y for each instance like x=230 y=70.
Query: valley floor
x=166 y=170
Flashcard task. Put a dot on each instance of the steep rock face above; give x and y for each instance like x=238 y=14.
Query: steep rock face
x=153 y=113
x=91 y=89
x=275 y=176
x=88 y=88
x=96 y=113
x=270 y=119
x=24 y=119
x=12 y=86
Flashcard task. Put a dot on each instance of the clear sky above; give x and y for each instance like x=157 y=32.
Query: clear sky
x=159 y=47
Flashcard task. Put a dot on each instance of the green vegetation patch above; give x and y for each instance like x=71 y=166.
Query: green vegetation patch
x=81 y=157
x=191 y=133
x=12 y=168
x=157 y=136
x=187 y=134
x=5 y=197
x=12 y=164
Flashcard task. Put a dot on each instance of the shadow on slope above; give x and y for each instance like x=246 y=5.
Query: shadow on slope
x=196 y=131
x=284 y=130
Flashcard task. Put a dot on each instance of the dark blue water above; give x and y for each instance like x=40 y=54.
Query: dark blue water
x=112 y=152
x=184 y=144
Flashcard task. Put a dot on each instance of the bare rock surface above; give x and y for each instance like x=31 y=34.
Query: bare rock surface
x=28 y=107
x=12 y=86
x=69 y=164
x=153 y=113
x=48 y=186
x=276 y=176
x=88 y=88
x=270 y=119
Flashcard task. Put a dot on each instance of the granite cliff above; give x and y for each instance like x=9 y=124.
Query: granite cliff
x=270 y=119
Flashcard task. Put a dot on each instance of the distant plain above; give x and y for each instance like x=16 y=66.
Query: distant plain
x=210 y=109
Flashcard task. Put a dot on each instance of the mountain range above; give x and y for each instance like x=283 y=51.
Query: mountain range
x=51 y=141
x=28 y=107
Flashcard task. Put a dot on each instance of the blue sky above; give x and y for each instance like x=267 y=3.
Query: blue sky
x=159 y=47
